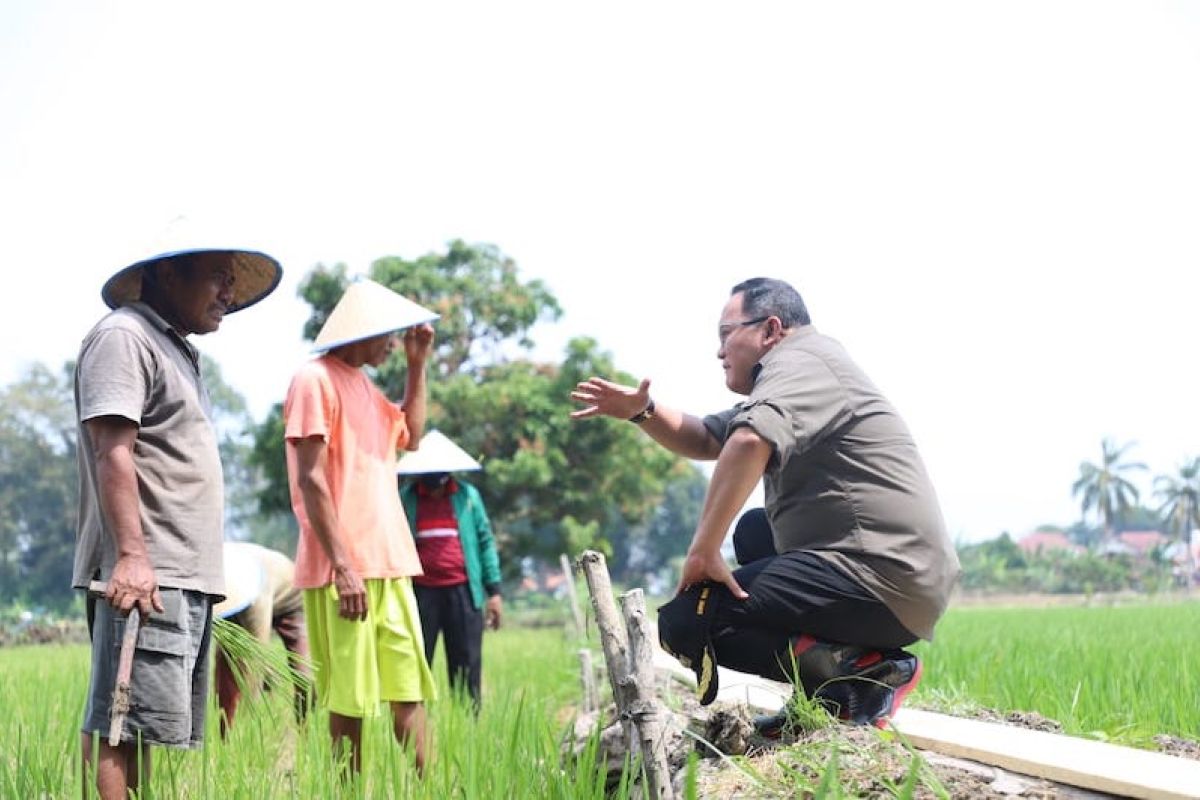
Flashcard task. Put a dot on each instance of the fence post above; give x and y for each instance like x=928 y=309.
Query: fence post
x=576 y=613
x=587 y=674
x=646 y=709
x=634 y=703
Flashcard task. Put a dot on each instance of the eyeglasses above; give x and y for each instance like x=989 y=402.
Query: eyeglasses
x=724 y=331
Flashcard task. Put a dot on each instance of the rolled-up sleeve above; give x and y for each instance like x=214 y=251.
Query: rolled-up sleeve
x=793 y=406
x=718 y=424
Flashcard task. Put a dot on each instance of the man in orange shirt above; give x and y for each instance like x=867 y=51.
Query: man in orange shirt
x=356 y=556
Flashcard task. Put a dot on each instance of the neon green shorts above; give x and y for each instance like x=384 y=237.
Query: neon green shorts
x=358 y=665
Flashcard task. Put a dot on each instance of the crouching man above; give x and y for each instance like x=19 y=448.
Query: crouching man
x=849 y=563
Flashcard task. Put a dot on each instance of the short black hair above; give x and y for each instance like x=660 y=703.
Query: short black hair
x=182 y=265
x=768 y=297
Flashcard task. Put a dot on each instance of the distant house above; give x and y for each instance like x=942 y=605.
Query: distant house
x=1139 y=544
x=1047 y=541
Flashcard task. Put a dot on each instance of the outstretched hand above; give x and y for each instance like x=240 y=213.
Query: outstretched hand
x=605 y=398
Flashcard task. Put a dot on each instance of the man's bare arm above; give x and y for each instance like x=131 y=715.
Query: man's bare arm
x=311 y=456
x=678 y=432
x=133 y=580
x=738 y=469
x=418 y=341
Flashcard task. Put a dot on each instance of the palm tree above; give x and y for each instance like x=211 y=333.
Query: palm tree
x=1180 y=509
x=1104 y=487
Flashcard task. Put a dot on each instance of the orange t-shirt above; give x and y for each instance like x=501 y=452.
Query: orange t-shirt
x=362 y=430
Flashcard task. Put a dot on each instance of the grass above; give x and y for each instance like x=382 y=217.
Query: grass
x=512 y=750
x=1121 y=673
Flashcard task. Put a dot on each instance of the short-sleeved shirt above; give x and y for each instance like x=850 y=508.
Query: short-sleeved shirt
x=362 y=431
x=845 y=480
x=133 y=365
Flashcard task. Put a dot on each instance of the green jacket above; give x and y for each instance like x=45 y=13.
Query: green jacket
x=474 y=533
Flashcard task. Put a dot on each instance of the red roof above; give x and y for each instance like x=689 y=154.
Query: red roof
x=1142 y=542
x=1047 y=541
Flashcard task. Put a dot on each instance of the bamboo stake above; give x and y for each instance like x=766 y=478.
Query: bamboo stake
x=636 y=700
x=576 y=613
x=612 y=635
x=587 y=673
x=646 y=710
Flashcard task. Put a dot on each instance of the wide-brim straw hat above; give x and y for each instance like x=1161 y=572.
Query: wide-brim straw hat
x=255 y=275
x=436 y=454
x=245 y=579
x=368 y=309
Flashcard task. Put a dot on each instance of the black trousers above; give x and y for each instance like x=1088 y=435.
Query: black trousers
x=449 y=611
x=793 y=593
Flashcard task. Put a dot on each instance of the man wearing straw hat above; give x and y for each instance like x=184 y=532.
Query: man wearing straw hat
x=459 y=592
x=260 y=597
x=151 y=503
x=356 y=558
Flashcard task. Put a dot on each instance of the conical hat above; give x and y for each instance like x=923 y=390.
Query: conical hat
x=256 y=274
x=245 y=579
x=436 y=454
x=368 y=309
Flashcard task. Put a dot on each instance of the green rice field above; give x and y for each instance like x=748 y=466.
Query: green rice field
x=510 y=751
x=1122 y=673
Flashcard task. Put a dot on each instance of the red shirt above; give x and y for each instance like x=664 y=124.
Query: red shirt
x=438 y=544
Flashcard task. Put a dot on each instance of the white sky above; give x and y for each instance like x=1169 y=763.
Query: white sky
x=994 y=206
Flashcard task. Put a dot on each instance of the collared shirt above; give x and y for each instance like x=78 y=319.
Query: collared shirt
x=845 y=479
x=363 y=431
x=133 y=365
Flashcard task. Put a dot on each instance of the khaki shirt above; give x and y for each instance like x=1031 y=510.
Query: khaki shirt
x=133 y=365
x=278 y=596
x=845 y=480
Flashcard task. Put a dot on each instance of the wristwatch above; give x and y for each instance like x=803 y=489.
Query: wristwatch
x=643 y=415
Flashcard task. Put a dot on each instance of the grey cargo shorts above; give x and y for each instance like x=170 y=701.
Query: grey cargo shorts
x=169 y=682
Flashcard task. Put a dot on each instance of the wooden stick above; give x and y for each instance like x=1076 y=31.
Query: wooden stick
x=587 y=673
x=646 y=709
x=576 y=613
x=121 y=693
x=612 y=635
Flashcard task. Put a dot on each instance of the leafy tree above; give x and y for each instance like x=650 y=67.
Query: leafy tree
x=541 y=467
x=992 y=564
x=1104 y=487
x=475 y=288
x=38 y=488
x=234 y=426
x=1180 y=509
x=663 y=536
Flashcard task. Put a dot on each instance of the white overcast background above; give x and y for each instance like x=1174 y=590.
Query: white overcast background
x=994 y=206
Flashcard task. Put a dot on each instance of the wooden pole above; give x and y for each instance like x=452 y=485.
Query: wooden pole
x=587 y=674
x=612 y=635
x=636 y=705
x=576 y=613
x=646 y=710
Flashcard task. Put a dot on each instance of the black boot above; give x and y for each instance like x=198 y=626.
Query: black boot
x=854 y=683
